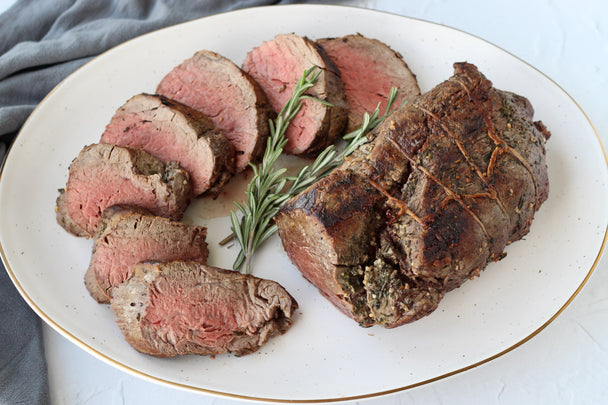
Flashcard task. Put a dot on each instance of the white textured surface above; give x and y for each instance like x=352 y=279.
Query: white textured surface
x=568 y=361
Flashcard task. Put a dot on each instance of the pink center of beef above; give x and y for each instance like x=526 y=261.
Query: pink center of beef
x=367 y=81
x=115 y=258
x=206 y=314
x=213 y=93
x=275 y=68
x=157 y=136
x=94 y=189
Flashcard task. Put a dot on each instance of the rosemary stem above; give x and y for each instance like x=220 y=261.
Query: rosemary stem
x=227 y=239
x=249 y=255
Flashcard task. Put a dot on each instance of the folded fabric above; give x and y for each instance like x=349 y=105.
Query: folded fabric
x=22 y=365
x=43 y=41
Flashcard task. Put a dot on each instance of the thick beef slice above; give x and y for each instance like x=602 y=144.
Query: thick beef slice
x=103 y=175
x=277 y=65
x=172 y=131
x=181 y=307
x=369 y=69
x=215 y=86
x=127 y=236
x=461 y=170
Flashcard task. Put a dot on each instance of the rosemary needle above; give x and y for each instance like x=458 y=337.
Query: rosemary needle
x=267 y=191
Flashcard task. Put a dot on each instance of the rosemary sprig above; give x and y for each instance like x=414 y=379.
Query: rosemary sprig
x=265 y=192
x=264 y=196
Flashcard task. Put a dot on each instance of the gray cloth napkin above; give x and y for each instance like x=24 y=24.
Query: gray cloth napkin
x=41 y=42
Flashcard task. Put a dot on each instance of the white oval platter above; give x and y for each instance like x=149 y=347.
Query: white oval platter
x=325 y=356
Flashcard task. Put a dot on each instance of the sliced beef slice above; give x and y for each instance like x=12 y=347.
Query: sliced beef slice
x=127 y=236
x=103 y=175
x=215 y=86
x=172 y=131
x=181 y=307
x=369 y=69
x=461 y=171
x=277 y=65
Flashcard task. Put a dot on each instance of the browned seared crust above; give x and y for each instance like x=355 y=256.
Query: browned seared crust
x=447 y=183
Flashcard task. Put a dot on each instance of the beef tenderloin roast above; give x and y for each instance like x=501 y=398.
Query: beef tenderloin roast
x=172 y=131
x=215 y=86
x=446 y=183
x=277 y=65
x=182 y=307
x=369 y=69
x=103 y=175
x=129 y=235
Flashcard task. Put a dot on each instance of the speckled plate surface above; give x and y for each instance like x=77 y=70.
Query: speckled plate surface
x=325 y=356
